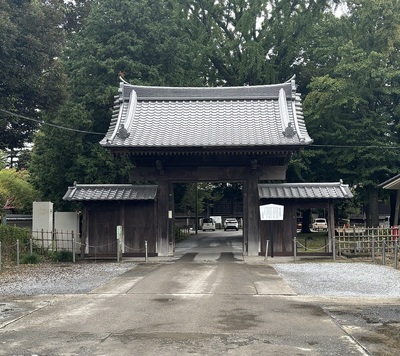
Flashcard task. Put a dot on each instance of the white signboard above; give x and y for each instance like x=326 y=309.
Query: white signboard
x=217 y=219
x=271 y=212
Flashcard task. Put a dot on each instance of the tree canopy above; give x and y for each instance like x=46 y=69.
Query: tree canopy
x=249 y=41
x=352 y=108
x=31 y=78
x=16 y=193
x=346 y=67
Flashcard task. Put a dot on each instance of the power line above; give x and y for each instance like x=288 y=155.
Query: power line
x=52 y=125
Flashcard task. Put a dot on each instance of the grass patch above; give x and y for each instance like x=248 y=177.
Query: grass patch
x=312 y=242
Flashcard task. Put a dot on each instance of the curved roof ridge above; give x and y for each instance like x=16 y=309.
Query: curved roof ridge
x=206 y=93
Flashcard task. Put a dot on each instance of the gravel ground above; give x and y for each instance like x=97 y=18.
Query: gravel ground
x=314 y=279
x=60 y=278
x=341 y=279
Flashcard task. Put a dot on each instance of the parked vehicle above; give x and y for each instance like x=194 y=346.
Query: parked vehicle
x=320 y=224
x=231 y=223
x=208 y=224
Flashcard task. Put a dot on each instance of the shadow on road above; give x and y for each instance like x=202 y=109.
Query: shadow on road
x=187 y=257
x=227 y=257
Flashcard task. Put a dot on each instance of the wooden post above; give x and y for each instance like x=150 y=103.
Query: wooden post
x=42 y=234
x=373 y=249
x=334 y=247
x=331 y=226
x=73 y=248
x=17 y=252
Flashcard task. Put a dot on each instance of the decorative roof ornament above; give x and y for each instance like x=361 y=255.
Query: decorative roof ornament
x=289 y=132
x=122 y=133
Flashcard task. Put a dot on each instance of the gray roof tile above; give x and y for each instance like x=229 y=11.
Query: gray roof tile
x=304 y=191
x=159 y=117
x=94 y=192
x=392 y=183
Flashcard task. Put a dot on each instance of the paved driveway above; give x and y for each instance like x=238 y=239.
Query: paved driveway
x=205 y=301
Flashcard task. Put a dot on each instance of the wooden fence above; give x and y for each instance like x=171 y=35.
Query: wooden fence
x=379 y=244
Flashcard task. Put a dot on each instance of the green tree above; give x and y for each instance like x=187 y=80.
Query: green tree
x=249 y=41
x=352 y=109
x=135 y=39
x=15 y=191
x=3 y=160
x=31 y=40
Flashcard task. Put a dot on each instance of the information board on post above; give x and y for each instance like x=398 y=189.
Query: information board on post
x=271 y=212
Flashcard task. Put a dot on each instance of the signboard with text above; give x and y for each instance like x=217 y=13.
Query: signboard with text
x=271 y=212
x=217 y=219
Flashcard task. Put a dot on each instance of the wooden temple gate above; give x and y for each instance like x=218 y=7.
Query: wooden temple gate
x=183 y=135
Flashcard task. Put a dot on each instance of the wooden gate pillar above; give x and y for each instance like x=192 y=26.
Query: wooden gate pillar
x=164 y=217
x=251 y=215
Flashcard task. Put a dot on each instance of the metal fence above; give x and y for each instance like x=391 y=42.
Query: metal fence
x=44 y=242
x=40 y=242
x=55 y=240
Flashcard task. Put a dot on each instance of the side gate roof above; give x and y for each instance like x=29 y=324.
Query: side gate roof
x=335 y=190
x=166 y=118
x=392 y=183
x=109 y=192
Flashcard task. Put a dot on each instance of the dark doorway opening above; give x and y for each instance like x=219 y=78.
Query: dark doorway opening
x=210 y=211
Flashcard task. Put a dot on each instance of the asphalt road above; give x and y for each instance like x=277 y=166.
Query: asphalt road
x=208 y=300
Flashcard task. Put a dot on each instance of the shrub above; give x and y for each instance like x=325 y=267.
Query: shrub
x=62 y=256
x=8 y=237
x=30 y=259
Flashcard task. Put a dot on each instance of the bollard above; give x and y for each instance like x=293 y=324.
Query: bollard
x=0 y=255
x=295 y=248
x=383 y=252
x=119 y=240
x=146 y=252
x=396 y=253
x=266 y=250
x=30 y=247
x=334 y=248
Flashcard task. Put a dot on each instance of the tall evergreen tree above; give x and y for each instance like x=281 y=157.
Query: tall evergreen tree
x=138 y=40
x=249 y=41
x=31 y=77
x=352 y=109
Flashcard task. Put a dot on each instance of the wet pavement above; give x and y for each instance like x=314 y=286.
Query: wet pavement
x=206 y=300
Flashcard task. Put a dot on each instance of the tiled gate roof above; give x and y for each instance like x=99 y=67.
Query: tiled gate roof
x=305 y=191
x=226 y=117
x=392 y=183
x=85 y=192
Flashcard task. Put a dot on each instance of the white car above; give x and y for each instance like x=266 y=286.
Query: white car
x=208 y=224
x=320 y=224
x=231 y=223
